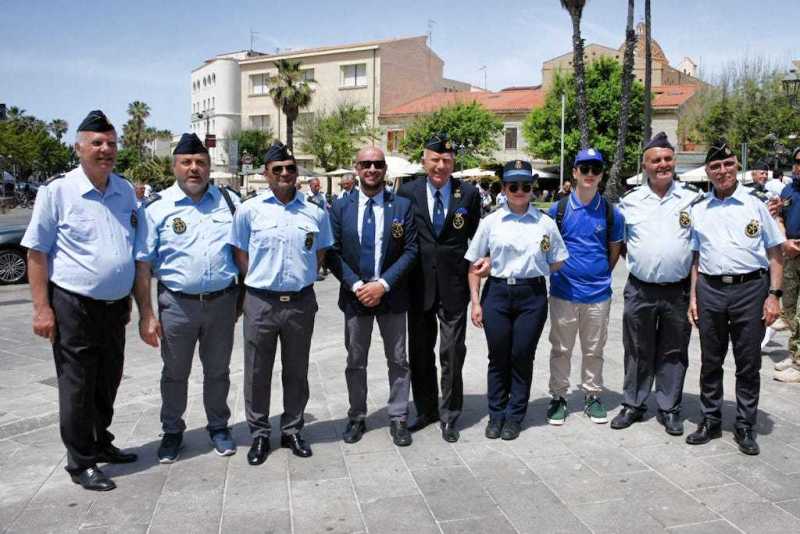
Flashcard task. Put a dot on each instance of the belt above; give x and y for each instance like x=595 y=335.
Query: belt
x=89 y=299
x=202 y=297
x=735 y=278
x=282 y=296
x=511 y=281
x=679 y=283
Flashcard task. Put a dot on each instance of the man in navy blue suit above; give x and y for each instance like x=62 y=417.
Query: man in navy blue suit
x=375 y=245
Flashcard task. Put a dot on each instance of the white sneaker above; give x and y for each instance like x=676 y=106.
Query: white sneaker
x=768 y=335
x=790 y=375
x=784 y=364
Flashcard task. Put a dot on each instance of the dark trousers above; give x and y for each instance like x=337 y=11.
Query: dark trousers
x=513 y=319
x=655 y=335
x=267 y=319
x=731 y=311
x=422 y=332
x=89 y=353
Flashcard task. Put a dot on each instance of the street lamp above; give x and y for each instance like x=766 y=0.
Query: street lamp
x=791 y=86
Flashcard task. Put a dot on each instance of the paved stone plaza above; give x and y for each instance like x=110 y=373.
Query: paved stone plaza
x=581 y=477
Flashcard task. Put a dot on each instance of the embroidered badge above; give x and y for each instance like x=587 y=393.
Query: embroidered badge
x=751 y=230
x=397 y=229
x=134 y=219
x=457 y=194
x=684 y=220
x=458 y=218
x=448 y=145
x=309 y=240
x=178 y=226
x=787 y=202
x=518 y=164
x=545 y=244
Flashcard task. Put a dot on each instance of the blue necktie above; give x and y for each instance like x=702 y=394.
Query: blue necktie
x=367 y=263
x=438 y=214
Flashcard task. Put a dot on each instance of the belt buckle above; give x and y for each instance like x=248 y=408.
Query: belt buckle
x=727 y=279
x=511 y=281
x=285 y=298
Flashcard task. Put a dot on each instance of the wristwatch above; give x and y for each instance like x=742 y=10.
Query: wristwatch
x=777 y=292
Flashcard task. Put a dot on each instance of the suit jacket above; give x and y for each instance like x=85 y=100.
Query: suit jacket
x=441 y=270
x=399 y=252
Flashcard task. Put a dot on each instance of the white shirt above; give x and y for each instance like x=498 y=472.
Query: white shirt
x=377 y=210
x=774 y=186
x=445 y=194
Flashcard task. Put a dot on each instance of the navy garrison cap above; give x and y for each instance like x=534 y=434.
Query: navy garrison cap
x=278 y=152
x=190 y=144
x=95 y=121
x=795 y=152
x=518 y=170
x=719 y=150
x=440 y=142
x=761 y=165
x=659 y=141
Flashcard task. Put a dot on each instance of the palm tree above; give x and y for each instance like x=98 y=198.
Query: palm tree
x=290 y=93
x=15 y=113
x=135 y=130
x=648 y=74
x=58 y=127
x=614 y=187
x=575 y=10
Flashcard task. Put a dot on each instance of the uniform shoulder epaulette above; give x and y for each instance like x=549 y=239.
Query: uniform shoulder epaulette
x=54 y=178
x=149 y=200
x=691 y=187
x=248 y=196
x=698 y=200
x=760 y=195
x=629 y=191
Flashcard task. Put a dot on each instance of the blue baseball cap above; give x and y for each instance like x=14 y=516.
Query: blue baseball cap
x=518 y=171
x=588 y=155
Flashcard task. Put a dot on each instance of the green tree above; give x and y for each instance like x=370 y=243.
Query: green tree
x=254 y=142
x=472 y=128
x=542 y=127
x=134 y=132
x=58 y=127
x=28 y=150
x=290 y=92
x=333 y=137
x=154 y=171
x=575 y=10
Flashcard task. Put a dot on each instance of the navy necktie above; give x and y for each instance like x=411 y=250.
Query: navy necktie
x=438 y=213
x=367 y=260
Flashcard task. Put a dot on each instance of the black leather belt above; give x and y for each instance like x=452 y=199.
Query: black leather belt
x=679 y=283
x=202 y=297
x=511 y=281
x=282 y=296
x=735 y=278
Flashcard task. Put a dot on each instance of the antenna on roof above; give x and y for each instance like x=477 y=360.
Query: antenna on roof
x=253 y=39
x=431 y=22
x=484 y=69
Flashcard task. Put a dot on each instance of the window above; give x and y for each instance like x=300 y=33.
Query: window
x=511 y=138
x=213 y=102
x=261 y=122
x=354 y=75
x=393 y=139
x=259 y=84
x=308 y=75
x=214 y=79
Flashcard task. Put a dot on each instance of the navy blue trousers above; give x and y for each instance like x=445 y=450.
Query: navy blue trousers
x=513 y=319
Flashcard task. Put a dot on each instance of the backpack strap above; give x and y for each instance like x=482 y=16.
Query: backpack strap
x=561 y=209
x=228 y=201
x=609 y=222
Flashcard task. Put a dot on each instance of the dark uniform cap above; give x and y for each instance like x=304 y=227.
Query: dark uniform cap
x=441 y=143
x=659 y=141
x=95 y=121
x=795 y=152
x=761 y=165
x=718 y=150
x=518 y=170
x=278 y=152
x=190 y=144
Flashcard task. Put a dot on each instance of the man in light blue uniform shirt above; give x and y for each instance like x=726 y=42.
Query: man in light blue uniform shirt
x=182 y=241
x=655 y=327
x=280 y=239
x=80 y=242
x=737 y=274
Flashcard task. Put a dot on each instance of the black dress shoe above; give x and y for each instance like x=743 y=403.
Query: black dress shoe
x=626 y=417
x=422 y=421
x=671 y=421
x=400 y=434
x=449 y=432
x=259 y=451
x=297 y=444
x=510 y=431
x=93 y=479
x=112 y=455
x=493 y=429
x=354 y=431
x=746 y=439
x=706 y=431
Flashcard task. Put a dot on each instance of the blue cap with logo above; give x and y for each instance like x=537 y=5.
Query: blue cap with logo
x=518 y=170
x=588 y=155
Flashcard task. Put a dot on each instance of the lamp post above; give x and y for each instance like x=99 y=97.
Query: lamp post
x=791 y=87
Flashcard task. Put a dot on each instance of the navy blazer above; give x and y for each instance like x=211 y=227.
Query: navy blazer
x=399 y=252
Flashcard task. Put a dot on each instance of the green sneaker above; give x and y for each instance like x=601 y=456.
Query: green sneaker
x=557 y=411
x=595 y=410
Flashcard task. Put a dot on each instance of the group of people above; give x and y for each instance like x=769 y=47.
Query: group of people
x=413 y=261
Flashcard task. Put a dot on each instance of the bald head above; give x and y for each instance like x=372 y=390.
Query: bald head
x=370 y=153
x=371 y=169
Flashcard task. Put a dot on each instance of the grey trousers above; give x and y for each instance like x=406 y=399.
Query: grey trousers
x=184 y=323
x=268 y=319
x=357 y=337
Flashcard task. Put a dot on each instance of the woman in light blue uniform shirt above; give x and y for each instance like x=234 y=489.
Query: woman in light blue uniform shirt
x=525 y=246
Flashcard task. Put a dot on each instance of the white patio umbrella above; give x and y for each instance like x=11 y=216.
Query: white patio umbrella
x=475 y=172
x=340 y=172
x=397 y=166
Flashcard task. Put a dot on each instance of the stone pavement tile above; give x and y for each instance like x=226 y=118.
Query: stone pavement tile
x=495 y=523
x=768 y=482
x=132 y=504
x=764 y=518
x=400 y=514
x=430 y=450
x=325 y=506
x=375 y=439
x=380 y=475
x=256 y=522
x=618 y=517
x=574 y=482
x=124 y=529
x=535 y=508
x=792 y=506
x=543 y=446
x=777 y=454
x=257 y=497
x=711 y=527
x=722 y=497
x=676 y=462
x=64 y=516
x=495 y=463
x=603 y=456
x=438 y=487
x=196 y=510
x=326 y=463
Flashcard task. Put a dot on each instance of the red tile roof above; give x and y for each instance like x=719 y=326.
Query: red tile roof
x=672 y=96
x=506 y=101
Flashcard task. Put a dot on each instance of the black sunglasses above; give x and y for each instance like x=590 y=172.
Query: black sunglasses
x=277 y=170
x=797 y=162
x=515 y=186
x=378 y=164
x=596 y=170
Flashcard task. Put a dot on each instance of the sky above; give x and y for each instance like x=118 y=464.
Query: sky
x=61 y=59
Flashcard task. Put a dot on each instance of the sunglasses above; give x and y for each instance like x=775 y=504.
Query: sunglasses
x=515 y=186
x=277 y=170
x=797 y=162
x=378 y=164
x=596 y=170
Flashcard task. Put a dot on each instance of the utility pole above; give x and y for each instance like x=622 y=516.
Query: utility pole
x=484 y=69
x=563 y=113
x=431 y=23
x=253 y=39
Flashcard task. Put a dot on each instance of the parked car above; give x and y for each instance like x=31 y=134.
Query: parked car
x=13 y=256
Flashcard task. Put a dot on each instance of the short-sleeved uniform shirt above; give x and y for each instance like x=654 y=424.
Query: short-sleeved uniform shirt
x=88 y=236
x=282 y=241
x=790 y=195
x=585 y=277
x=187 y=242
